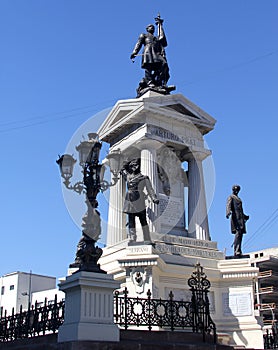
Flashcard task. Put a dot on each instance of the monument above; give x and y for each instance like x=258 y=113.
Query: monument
x=166 y=132
x=158 y=227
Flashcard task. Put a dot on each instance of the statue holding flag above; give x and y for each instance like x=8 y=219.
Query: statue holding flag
x=153 y=60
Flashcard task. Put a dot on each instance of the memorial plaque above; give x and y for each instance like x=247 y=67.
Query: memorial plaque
x=186 y=295
x=237 y=304
x=179 y=294
x=171 y=211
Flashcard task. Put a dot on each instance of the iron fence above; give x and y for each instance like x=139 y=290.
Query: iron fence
x=141 y=312
x=152 y=312
x=33 y=322
x=271 y=339
x=168 y=314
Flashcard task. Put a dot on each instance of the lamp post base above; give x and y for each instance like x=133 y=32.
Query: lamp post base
x=88 y=308
x=87 y=256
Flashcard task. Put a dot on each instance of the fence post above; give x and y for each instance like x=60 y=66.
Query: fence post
x=116 y=306
x=199 y=286
x=172 y=318
x=126 y=307
x=12 y=325
x=149 y=301
x=5 y=326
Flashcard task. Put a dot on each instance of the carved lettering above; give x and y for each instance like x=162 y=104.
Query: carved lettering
x=188 y=241
x=171 y=210
x=168 y=135
x=138 y=250
x=180 y=250
x=237 y=304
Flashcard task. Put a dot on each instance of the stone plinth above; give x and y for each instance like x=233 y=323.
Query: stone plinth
x=88 y=308
x=168 y=266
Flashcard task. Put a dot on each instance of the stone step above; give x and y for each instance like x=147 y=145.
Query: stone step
x=130 y=339
x=169 y=340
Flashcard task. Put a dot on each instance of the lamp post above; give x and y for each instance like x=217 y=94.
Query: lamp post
x=87 y=253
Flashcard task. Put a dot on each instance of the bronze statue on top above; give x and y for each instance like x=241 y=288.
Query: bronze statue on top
x=238 y=219
x=153 y=60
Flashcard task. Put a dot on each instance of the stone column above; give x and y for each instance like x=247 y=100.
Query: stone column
x=197 y=208
x=149 y=167
x=116 y=218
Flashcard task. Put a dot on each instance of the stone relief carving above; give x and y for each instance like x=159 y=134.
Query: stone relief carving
x=139 y=277
x=169 y=169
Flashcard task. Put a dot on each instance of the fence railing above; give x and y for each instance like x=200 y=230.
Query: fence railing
x=33 y=322
x=271 y=339
x=147 y=312
x=168 y=314
x=152 y=313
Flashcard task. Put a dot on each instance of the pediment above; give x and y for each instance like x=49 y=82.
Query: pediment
x=186 y=108
x=178 y=107
x=161 y=107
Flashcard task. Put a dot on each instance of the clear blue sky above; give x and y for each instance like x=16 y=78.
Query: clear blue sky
x=62 y=61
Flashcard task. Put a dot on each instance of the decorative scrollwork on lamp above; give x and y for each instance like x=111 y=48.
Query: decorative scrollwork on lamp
x=87 y=254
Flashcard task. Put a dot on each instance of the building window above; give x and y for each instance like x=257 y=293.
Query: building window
x=12 y=287
x=2 y=290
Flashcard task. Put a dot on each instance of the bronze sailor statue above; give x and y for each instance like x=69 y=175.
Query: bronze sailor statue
x=154 y=60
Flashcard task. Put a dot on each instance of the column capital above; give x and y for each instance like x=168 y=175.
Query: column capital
x=149 y=144
x=197 y=154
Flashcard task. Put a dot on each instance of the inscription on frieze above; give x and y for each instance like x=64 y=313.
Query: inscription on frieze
x=140 y=250
x=168 y=135
x=188 y=241
x=184 y=251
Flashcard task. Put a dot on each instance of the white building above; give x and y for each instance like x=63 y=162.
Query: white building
x=21 y=288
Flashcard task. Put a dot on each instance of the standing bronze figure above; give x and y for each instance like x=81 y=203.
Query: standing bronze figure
x=134 y=204
x=153 y=60
x=238 y=219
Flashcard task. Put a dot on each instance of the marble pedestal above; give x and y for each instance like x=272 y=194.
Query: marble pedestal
x=88 y=308
x=167 y=133
x=167 y=267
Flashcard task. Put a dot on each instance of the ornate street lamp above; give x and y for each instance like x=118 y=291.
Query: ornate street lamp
x=87 y=253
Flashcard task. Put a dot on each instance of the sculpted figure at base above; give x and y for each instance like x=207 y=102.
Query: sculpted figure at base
x=153 y=60
x=134 y=204
x=234 y=210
